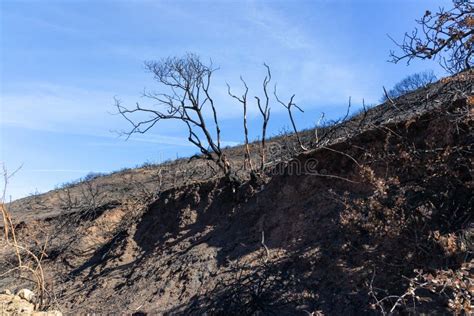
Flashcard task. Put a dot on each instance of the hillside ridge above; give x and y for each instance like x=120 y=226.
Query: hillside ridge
x=375 y=217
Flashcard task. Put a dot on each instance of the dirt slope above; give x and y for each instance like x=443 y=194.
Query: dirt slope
x=377 y=217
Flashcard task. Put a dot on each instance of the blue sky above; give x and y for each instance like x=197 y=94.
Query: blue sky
x=62 y=63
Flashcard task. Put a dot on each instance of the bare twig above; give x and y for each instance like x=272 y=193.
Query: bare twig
x=265 y=112
x=243 y=100
x=288 y=107
x=267 y=252
x=9 y=230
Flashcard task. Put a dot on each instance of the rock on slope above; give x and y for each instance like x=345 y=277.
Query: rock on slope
x=21 y=304
x=378 y=219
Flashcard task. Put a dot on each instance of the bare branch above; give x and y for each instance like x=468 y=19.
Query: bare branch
x=265 y=112
x=290 y=114
x=447 y=35
x=243 y=100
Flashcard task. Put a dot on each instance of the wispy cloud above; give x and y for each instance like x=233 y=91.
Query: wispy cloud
x=38 y=22
x=71 y=111
x=44 y=106
x=58 y=170
x=278 y=26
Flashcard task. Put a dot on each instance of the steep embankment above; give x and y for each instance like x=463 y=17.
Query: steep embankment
x=378 y=218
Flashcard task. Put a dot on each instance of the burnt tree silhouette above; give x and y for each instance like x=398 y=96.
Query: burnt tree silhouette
x=409 y=84
x=188 y=80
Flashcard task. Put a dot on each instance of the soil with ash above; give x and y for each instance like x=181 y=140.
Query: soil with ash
x=377 y=220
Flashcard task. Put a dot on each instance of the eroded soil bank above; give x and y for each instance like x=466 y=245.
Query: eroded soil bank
x=377 y=220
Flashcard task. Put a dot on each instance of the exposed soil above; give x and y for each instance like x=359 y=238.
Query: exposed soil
x=376 y=217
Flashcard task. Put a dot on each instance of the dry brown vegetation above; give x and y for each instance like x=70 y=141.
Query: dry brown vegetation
x=446 y=35
x=27 y=261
